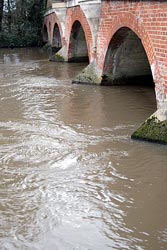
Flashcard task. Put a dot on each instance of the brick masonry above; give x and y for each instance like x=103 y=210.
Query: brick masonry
x=49 y=22
x=147 y=19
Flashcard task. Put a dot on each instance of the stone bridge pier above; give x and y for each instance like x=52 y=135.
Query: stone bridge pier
x=124 y=42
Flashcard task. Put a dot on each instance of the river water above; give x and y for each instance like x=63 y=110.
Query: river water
x=70 y=176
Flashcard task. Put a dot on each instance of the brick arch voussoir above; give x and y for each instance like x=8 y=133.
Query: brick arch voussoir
x=76 y=14
x=127 y=20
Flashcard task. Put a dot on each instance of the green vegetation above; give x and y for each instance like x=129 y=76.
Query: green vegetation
x=57 y=58
x=152 y=130
x=21 y=23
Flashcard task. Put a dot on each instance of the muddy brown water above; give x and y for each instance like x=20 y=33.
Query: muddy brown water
x=70 y=176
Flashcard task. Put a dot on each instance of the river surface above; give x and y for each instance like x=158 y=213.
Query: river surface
x=70 y=176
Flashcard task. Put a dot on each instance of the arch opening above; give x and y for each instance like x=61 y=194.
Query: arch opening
x=78 y=51
x=56 y=42
x=45 y=34
x=126 y=61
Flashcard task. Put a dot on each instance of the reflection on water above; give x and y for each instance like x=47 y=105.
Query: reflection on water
x=71 y=177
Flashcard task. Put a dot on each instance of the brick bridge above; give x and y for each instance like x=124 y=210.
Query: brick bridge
x=123 y=41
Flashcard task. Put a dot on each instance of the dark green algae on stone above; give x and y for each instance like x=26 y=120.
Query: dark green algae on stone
x=56 y=58
x=152 y=130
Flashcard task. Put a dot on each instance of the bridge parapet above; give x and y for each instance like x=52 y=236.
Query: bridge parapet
x=72 y=3
x=51 y=5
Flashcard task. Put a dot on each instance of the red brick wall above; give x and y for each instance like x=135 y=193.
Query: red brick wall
x=148 y=19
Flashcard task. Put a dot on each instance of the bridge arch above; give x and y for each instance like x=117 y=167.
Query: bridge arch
x=56 y=42
x=76 y=20
x=54 y=29
x=45 y=34
x=77 y=44
x=109 y=29
x=126 y=60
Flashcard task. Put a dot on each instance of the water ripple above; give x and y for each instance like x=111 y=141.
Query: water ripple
x=71 y=178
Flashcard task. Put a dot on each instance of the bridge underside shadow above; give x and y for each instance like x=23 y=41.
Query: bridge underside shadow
x=126 y=61
x=78 y=51
x=56 y=43
x=45 y=34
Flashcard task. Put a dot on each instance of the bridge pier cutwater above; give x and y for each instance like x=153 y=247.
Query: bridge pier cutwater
x=123 y=42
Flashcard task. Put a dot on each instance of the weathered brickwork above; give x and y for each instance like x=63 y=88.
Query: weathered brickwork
x=147 y=19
